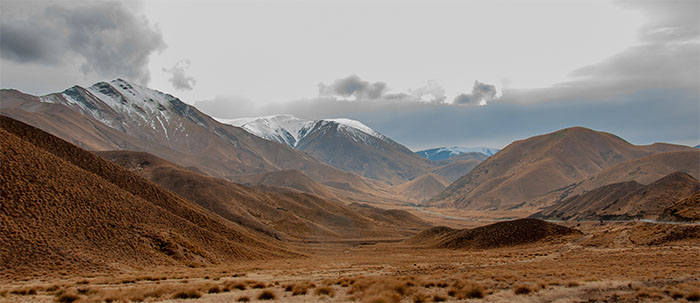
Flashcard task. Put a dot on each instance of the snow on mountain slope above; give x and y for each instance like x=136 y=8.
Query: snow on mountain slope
x=442 y=153
x=343 y=122
x=342 y=143
x=291 y=130
x=285 y=129
x=123 y=105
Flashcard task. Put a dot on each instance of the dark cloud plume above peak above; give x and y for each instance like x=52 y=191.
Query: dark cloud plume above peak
x=103 y=38
x=353 y=86
x=481 y=94
x=178 y=78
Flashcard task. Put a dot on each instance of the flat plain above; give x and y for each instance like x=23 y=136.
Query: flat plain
x=613 y=262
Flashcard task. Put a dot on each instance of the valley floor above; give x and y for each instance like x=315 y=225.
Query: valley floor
x=604 y=264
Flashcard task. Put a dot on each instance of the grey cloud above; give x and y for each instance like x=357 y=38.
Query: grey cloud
x=178 y=78
x=353 y=86
x=22 y=43
x=104 y=38
x=646 y=93
x=669 y=116
x=669 y=20
x=431 y=92
x=481 y=92
x=666 y=57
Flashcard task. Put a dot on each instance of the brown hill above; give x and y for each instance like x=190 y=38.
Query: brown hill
x=638 y=233
x=422 y=188
x=625 y=200
x=643 y=170
x=289 y=179
x=454 y=167
x=529 y=168
x=345 y=191
x=509 y=233
x=184 y=135
x=390 y=217
x=686 y=210
x=65 y=209
x=649 y=202
x=282 y=213
x=585 y=206
x=647 y=169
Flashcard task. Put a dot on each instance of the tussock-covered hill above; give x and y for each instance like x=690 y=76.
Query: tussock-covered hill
x=119 y=115
x=625 y=200
x=501 y=234
x=527 y=169
x=422 y=188
x=66 y=209
x=287 y=214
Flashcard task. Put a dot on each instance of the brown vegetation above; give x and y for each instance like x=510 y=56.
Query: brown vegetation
x=273 y=212
x=500 y=234
x=525 y=170
x=94 y=214
x=266 y=295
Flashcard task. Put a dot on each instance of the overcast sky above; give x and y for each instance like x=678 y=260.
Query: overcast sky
x=425 y=73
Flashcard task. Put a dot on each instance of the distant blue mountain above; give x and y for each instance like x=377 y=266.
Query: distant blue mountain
x=442 y=153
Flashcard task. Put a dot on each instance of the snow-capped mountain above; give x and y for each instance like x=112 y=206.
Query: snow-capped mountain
x=442 y=153
x=292 y=130
x=122 y=115
x=127 y=107
x=343 y=143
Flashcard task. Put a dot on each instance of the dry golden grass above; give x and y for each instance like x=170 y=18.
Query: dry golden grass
x=325 y=291
x=466 y=290
x=231 y=285
x=439 y=298
x=396 y=273
x=190 y=294
x=522 y=289
x=420 y=298
x=266 y=295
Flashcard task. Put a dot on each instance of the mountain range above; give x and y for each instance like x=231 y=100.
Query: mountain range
x=443 y=153
x=342 y=143
x=118 y=176
x=65 y=208
x=124 y=116
x=522 y=173
x=341 y=159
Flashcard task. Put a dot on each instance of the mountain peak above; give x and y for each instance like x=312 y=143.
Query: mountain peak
x=443 y=153
x=290 y=130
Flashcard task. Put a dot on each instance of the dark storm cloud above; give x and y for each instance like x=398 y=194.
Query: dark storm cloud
x=481 y=92
x=104 y=38
x=22 y=43
x=178 y=78
x=353 y=86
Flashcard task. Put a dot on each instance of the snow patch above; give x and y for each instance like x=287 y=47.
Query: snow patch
x=290 y=130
